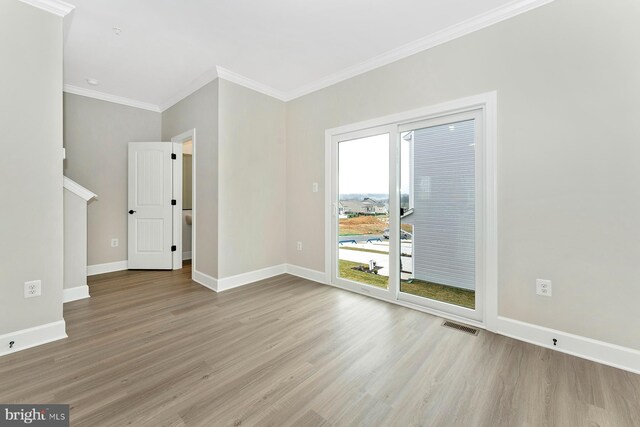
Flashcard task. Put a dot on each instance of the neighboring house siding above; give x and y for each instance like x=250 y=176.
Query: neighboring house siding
x=444 y=215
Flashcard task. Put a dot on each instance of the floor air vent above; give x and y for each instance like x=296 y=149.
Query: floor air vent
x=459 y=327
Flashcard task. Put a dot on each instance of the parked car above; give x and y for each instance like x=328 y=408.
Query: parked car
x=404 y=235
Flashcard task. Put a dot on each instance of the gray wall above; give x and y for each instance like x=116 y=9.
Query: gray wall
x=252 y=180
x=200 y=111
x=75 y=240
x=96 y=137
x=567 y=76
x=31 y=165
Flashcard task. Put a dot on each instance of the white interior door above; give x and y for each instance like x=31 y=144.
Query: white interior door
x=150 y=223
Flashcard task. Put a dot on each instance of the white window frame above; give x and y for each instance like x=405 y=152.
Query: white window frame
x=393 y=267
x=463 y=312
x=487 y=104
x=411 y=169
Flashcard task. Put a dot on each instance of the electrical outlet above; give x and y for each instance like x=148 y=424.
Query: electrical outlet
x=299 y=246
x=314 y=187
x=32 y=289
x=543 y=287
x=115 y=243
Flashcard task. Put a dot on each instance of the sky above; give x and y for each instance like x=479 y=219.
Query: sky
x=364 y=166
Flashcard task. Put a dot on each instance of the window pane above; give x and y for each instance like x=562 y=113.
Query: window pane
x=438 y=245
x=363 y=188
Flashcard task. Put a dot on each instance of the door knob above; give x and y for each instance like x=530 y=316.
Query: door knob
x=131 y=212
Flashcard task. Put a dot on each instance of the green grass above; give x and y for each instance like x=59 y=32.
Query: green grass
x=360 y=276
x=448 y=294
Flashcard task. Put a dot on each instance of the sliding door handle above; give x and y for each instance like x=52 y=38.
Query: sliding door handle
x=131 y=212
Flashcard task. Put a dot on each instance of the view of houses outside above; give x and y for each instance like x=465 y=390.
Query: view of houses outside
x=363 y=185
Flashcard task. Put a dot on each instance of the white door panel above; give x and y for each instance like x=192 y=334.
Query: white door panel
x=150 y=210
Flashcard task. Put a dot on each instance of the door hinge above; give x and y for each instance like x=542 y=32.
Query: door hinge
x=173 y=156
x=173 y=248
x=173 y=202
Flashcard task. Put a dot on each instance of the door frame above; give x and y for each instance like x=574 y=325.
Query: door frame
x=183 y=137
x=487 y=103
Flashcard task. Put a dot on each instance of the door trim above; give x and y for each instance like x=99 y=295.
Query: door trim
x=487 y=103
x=185 y=136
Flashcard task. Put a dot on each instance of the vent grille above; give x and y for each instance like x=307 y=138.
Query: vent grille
x=462 y=328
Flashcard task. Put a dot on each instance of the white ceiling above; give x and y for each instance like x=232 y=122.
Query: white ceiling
x=168 y=48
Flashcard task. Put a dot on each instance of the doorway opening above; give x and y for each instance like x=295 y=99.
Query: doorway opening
x=187 y=197
x=188 y=214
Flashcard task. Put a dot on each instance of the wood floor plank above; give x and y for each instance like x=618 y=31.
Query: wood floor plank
x=153 y=348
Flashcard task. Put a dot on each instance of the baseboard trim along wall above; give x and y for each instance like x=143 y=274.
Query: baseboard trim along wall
x=109 y=267
x=74 y=294
x=31 y=337
x=238 y=280
x=205 y=280
x=307 y=273
x=576 y=345
x=186 y=255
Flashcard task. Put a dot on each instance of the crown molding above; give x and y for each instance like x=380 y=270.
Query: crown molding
x=111 y=98
x=198 y=83
x=57 y=7
x=236 y=78
x=453 y=32
x=222 y=73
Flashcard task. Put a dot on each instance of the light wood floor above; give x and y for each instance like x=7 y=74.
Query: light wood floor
x=154 y=348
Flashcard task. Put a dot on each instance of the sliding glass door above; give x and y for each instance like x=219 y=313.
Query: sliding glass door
x=407 y=221
x=438 y=214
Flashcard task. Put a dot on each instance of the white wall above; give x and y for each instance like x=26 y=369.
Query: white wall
x=252 y=180
x=31 y=191
x=75 y=240
x=200 y=111
x=96 y=136
x=567 y=76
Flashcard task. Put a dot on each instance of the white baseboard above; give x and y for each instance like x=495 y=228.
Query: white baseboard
x=576 y=345
x=186 y=255
x=205 y=280
x=31 y=337
x=109 y=267
x=250 y=277
x=307 y=273
x=73 y=294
